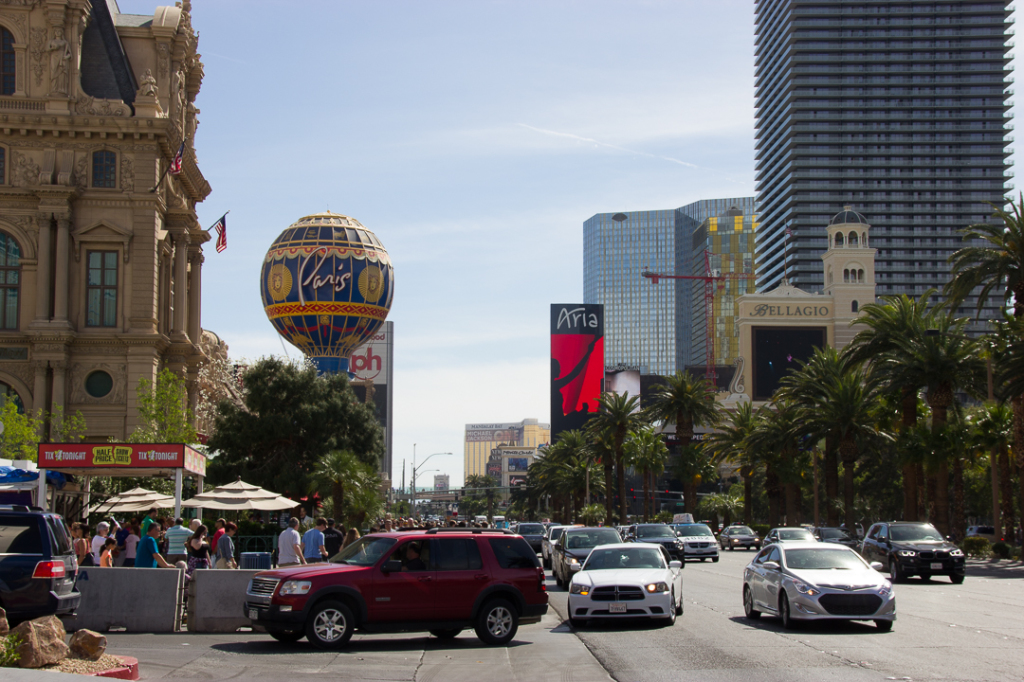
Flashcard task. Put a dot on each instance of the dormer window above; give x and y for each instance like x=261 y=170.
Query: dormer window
x=7 y=62
x=104 y=169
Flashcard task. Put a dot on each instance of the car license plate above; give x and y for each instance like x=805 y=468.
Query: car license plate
x=616 y=608
x=937 y=566
x=253 y=614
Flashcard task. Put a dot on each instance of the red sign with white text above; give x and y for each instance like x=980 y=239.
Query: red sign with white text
x=120 y=455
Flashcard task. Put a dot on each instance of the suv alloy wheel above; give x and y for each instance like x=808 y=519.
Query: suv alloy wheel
x=329 y=625
x=497 y=623
x=895 y=574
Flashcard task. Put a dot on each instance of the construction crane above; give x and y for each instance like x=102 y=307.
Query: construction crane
x=710 y=278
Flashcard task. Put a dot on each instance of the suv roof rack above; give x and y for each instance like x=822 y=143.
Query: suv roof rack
x=473 y=531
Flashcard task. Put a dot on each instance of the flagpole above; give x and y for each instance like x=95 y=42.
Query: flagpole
x=207 y=230
x=166 y=170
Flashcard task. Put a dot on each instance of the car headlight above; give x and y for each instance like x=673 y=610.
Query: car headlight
x=657 y=587
x=577 y=588
x=956 y=552
x=906 y=553
x=573 y=560
x=885 y=588
x=295 y=587
x=804 y=588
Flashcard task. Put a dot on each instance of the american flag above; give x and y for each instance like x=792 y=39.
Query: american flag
x=789 y=232
x=222 y=232
x=175 y=167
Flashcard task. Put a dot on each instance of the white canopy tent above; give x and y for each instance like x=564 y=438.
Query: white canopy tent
x=240 y=496
x=135 y=500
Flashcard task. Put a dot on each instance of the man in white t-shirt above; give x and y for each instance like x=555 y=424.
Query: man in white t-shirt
x=289 y=545
x=102 y=530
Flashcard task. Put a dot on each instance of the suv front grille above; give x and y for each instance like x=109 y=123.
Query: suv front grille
x=700 y=545
x=850 y=604
x=617 y=593
x=263 y=587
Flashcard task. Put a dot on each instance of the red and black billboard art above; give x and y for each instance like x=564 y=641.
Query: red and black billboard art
x=577 y=364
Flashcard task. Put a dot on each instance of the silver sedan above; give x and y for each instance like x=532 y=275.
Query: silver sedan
x=800 y=581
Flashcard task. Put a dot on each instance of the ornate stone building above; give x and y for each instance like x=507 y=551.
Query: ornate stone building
x=100 y=277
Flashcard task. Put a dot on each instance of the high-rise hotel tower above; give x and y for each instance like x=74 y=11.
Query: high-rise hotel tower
x=896 y=107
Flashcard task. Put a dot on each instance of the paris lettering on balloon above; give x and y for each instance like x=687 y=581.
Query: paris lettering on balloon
x=338 y=282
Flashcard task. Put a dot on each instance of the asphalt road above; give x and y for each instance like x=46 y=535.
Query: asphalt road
x=973 y=631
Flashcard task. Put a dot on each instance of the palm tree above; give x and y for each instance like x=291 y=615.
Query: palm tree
x=722 y=505
x=731 y=444
x=1010 y=379
x=646 y=451
x=563 y=472
x=896 y=318
x=996 y=266
x=348 y=479
x=772 y=438
x=686 y=401
x=994 y=432
x=945 y=362
x=477 y=486
x=617 y=415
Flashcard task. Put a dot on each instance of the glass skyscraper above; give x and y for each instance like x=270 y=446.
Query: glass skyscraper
x=898 y=108
x=647 y=325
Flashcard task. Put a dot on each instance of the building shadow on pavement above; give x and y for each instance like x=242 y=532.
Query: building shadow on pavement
x=820 y=627
x=268 y=647
x=1002 y=569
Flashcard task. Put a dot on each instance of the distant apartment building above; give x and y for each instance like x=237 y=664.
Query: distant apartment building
x=482 y=439
x=647 y=325
x=900 y=109
x=442 y=482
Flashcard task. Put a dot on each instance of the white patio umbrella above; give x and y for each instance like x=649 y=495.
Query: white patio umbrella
x=134 y=500
x=240 y=496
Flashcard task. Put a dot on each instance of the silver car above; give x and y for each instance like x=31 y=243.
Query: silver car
x=547 y=544
x=799 y=581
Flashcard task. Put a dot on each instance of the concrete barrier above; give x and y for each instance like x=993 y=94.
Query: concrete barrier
x=137 y=599
x=216 y=600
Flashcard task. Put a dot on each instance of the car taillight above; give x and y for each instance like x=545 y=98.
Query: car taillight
x=49 y=569
x=541 y=587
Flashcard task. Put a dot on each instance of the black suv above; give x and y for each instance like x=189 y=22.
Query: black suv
x=913 y=548
x=37 y=564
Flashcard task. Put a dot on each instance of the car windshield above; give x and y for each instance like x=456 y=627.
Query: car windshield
x=638 y=557
x=364 y=551
x=588 y=539
x=914 y=533
x=823 y=559
x=531 y=529
x=833 y=534
x=695 y=531
x=796 y=535
x=741 y=530
x=654 y=532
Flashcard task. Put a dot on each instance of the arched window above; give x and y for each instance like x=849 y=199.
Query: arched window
x=10 y=281
x=854 y=306
x=860 y=276
x=864 y=239
x=846 y=275
x=839 y=240
x=104 y=169
x=7 y=392
x=853 y=239
x=830 y=275
x=7 y=62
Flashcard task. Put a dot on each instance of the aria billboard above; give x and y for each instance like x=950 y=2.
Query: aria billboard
x=577 y=364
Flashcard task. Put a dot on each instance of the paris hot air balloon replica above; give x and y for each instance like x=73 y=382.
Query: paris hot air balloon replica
x=327 y=285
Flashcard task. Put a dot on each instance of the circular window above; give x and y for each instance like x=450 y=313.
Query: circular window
x=98 y=384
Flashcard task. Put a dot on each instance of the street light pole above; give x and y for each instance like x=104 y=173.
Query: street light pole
x=415 y=469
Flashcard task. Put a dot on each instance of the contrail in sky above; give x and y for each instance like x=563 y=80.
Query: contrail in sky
x=609 y=146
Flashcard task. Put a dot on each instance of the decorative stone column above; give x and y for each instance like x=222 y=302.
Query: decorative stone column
x=39 y=385
x=43 y=269
x=195 y=289
x=60 y=279
x=60 y=372
x=180 y=283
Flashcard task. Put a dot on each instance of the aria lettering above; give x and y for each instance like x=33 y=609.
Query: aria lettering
x=576 y=317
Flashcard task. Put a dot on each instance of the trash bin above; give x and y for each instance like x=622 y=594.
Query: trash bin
x=258 y=561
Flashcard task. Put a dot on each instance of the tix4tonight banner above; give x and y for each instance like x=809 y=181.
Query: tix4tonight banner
x=577 y=364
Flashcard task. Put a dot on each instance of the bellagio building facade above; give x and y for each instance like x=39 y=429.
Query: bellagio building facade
x=100 y=278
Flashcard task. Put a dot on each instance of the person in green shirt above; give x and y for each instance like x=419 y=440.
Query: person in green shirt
x=150 y=517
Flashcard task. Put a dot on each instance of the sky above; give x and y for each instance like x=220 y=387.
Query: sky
x=474 y=138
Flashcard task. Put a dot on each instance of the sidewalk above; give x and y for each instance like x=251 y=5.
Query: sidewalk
x=546 y=651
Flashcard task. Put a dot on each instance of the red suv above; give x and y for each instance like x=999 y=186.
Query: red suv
x=441 y=580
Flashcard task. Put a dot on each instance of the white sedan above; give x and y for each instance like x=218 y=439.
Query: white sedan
x=630 y=580
x=799 y=581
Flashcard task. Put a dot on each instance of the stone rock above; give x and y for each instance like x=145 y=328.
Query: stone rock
x=42 y=643
x=4 y=627
x=88 y=645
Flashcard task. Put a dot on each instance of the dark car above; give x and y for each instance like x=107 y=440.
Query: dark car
x=442 y=581
x=533 y=533
x=573 y=547
x=913 y=548
x=659 y=534
x=38 y=567
x=739 y=536
x=835 y=536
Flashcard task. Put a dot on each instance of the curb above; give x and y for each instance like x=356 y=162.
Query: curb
x=129 y=671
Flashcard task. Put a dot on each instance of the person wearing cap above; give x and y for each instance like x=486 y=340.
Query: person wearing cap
x=102 y=530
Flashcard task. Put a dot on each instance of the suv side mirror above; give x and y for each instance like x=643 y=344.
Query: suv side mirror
x=393 y=566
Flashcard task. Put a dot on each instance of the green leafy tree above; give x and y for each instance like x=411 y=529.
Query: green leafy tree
x=353 y=486
x=723 y=506
x=20 y=439
x=164 y=416
x=617 y=415
x=480 y=492
x=290 y=418
x=731 y=443
x=66 y=428
x=646 y=451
